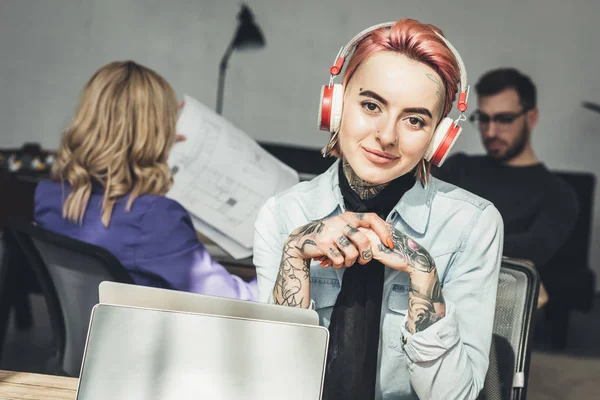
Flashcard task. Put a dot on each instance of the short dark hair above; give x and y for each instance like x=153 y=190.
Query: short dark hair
x=498 y=80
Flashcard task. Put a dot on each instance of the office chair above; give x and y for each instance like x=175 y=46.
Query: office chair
x=576 y=289
x=510 y=352
x=69 y=272
x=17 y=282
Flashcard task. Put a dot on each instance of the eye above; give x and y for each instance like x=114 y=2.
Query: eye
x=504 y=118
x=370 y=106
x=415 y=122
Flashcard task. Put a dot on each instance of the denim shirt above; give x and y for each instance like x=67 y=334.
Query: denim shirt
x=464 y=235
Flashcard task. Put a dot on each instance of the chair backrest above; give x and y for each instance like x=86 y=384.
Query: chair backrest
x=578 y=290
x=518 y=287
x=578 y=243
x=69 y=272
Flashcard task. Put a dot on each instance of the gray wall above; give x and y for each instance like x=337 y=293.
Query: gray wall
x=48 y=48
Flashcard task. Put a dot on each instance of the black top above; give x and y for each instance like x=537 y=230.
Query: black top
x=351 y=370
x=538 y=208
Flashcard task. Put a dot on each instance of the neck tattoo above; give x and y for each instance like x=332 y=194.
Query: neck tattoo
x=364 y=189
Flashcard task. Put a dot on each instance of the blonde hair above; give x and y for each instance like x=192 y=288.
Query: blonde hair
x=119 y=137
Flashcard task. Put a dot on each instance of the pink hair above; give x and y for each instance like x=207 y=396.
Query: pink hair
x=417 y=41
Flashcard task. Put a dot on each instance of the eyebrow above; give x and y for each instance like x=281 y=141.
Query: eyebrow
x=419 y=110
x=370 y=93
x=415 y=110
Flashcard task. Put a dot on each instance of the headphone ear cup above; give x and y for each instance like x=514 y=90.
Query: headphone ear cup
x=330 y=107
x=442 y=142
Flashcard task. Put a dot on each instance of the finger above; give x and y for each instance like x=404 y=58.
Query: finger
x=383 y=254
x=323 y=261
x=335 y=256
x=373 y=221
x=361 y=243
x=348 y=250
x=180 y=138
x=372 y=236
x=181 y=104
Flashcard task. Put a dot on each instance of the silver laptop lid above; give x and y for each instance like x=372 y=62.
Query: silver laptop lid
x=135 y=353
x=164 y=299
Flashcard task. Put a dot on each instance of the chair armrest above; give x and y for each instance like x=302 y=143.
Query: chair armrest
x=543 y=293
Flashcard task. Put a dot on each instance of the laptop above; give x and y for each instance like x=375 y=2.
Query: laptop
x=165 y=299
x=140 y=353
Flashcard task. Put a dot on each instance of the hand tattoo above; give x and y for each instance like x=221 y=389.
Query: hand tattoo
x=351 y=228
x=413 y=253
x=367 y=254
x=343 y=241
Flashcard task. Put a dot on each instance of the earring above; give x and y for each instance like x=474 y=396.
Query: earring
x=326 y=151
x=425 y=175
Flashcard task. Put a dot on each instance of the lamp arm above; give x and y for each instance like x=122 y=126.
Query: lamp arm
x=225 y=59
x=222 y=70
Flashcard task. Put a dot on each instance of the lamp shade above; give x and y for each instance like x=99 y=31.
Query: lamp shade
x=248 y=34
x=591 y=106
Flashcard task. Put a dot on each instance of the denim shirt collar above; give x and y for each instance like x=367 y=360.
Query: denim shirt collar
x=414 y=207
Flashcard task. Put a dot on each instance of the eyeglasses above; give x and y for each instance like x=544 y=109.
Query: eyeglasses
x=505 y=118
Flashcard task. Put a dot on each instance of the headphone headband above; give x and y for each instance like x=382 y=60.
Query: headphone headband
x=340 y=59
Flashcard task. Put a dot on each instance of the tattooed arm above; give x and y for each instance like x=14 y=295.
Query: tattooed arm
x=426 y=303
x=292 y=287
x=460 y=340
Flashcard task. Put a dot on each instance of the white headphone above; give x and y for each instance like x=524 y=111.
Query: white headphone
x=447 y=131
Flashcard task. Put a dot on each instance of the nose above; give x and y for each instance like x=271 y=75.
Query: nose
x=489 y=130
x=386 y=134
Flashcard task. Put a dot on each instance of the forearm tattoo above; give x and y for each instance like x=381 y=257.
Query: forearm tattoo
x=294 y=272
x=426 y=303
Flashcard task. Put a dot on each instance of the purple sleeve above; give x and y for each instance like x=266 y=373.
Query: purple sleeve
x=168 y=247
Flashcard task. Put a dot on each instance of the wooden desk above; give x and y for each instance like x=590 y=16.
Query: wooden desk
x=26 y=386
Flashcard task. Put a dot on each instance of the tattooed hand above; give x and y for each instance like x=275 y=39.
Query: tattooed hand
x=335 y=241
x=406 y=255
x=338 y=239
x=426 y=303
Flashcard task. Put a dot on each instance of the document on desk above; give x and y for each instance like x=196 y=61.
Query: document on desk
x=223 y=177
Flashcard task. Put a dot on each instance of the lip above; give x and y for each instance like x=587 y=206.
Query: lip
x=495 y=145
x=379 y=157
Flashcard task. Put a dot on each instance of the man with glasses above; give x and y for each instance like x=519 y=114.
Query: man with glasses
x=538 y=208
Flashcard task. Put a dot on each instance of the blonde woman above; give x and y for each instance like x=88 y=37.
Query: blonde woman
x=110 y=178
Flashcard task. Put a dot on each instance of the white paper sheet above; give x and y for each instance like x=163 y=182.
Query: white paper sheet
x=222 y=176
x=224 y=243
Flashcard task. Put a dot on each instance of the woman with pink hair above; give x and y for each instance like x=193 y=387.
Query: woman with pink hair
x=409 y=298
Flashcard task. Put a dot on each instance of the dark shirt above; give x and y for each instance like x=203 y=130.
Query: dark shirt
x=538 y=208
